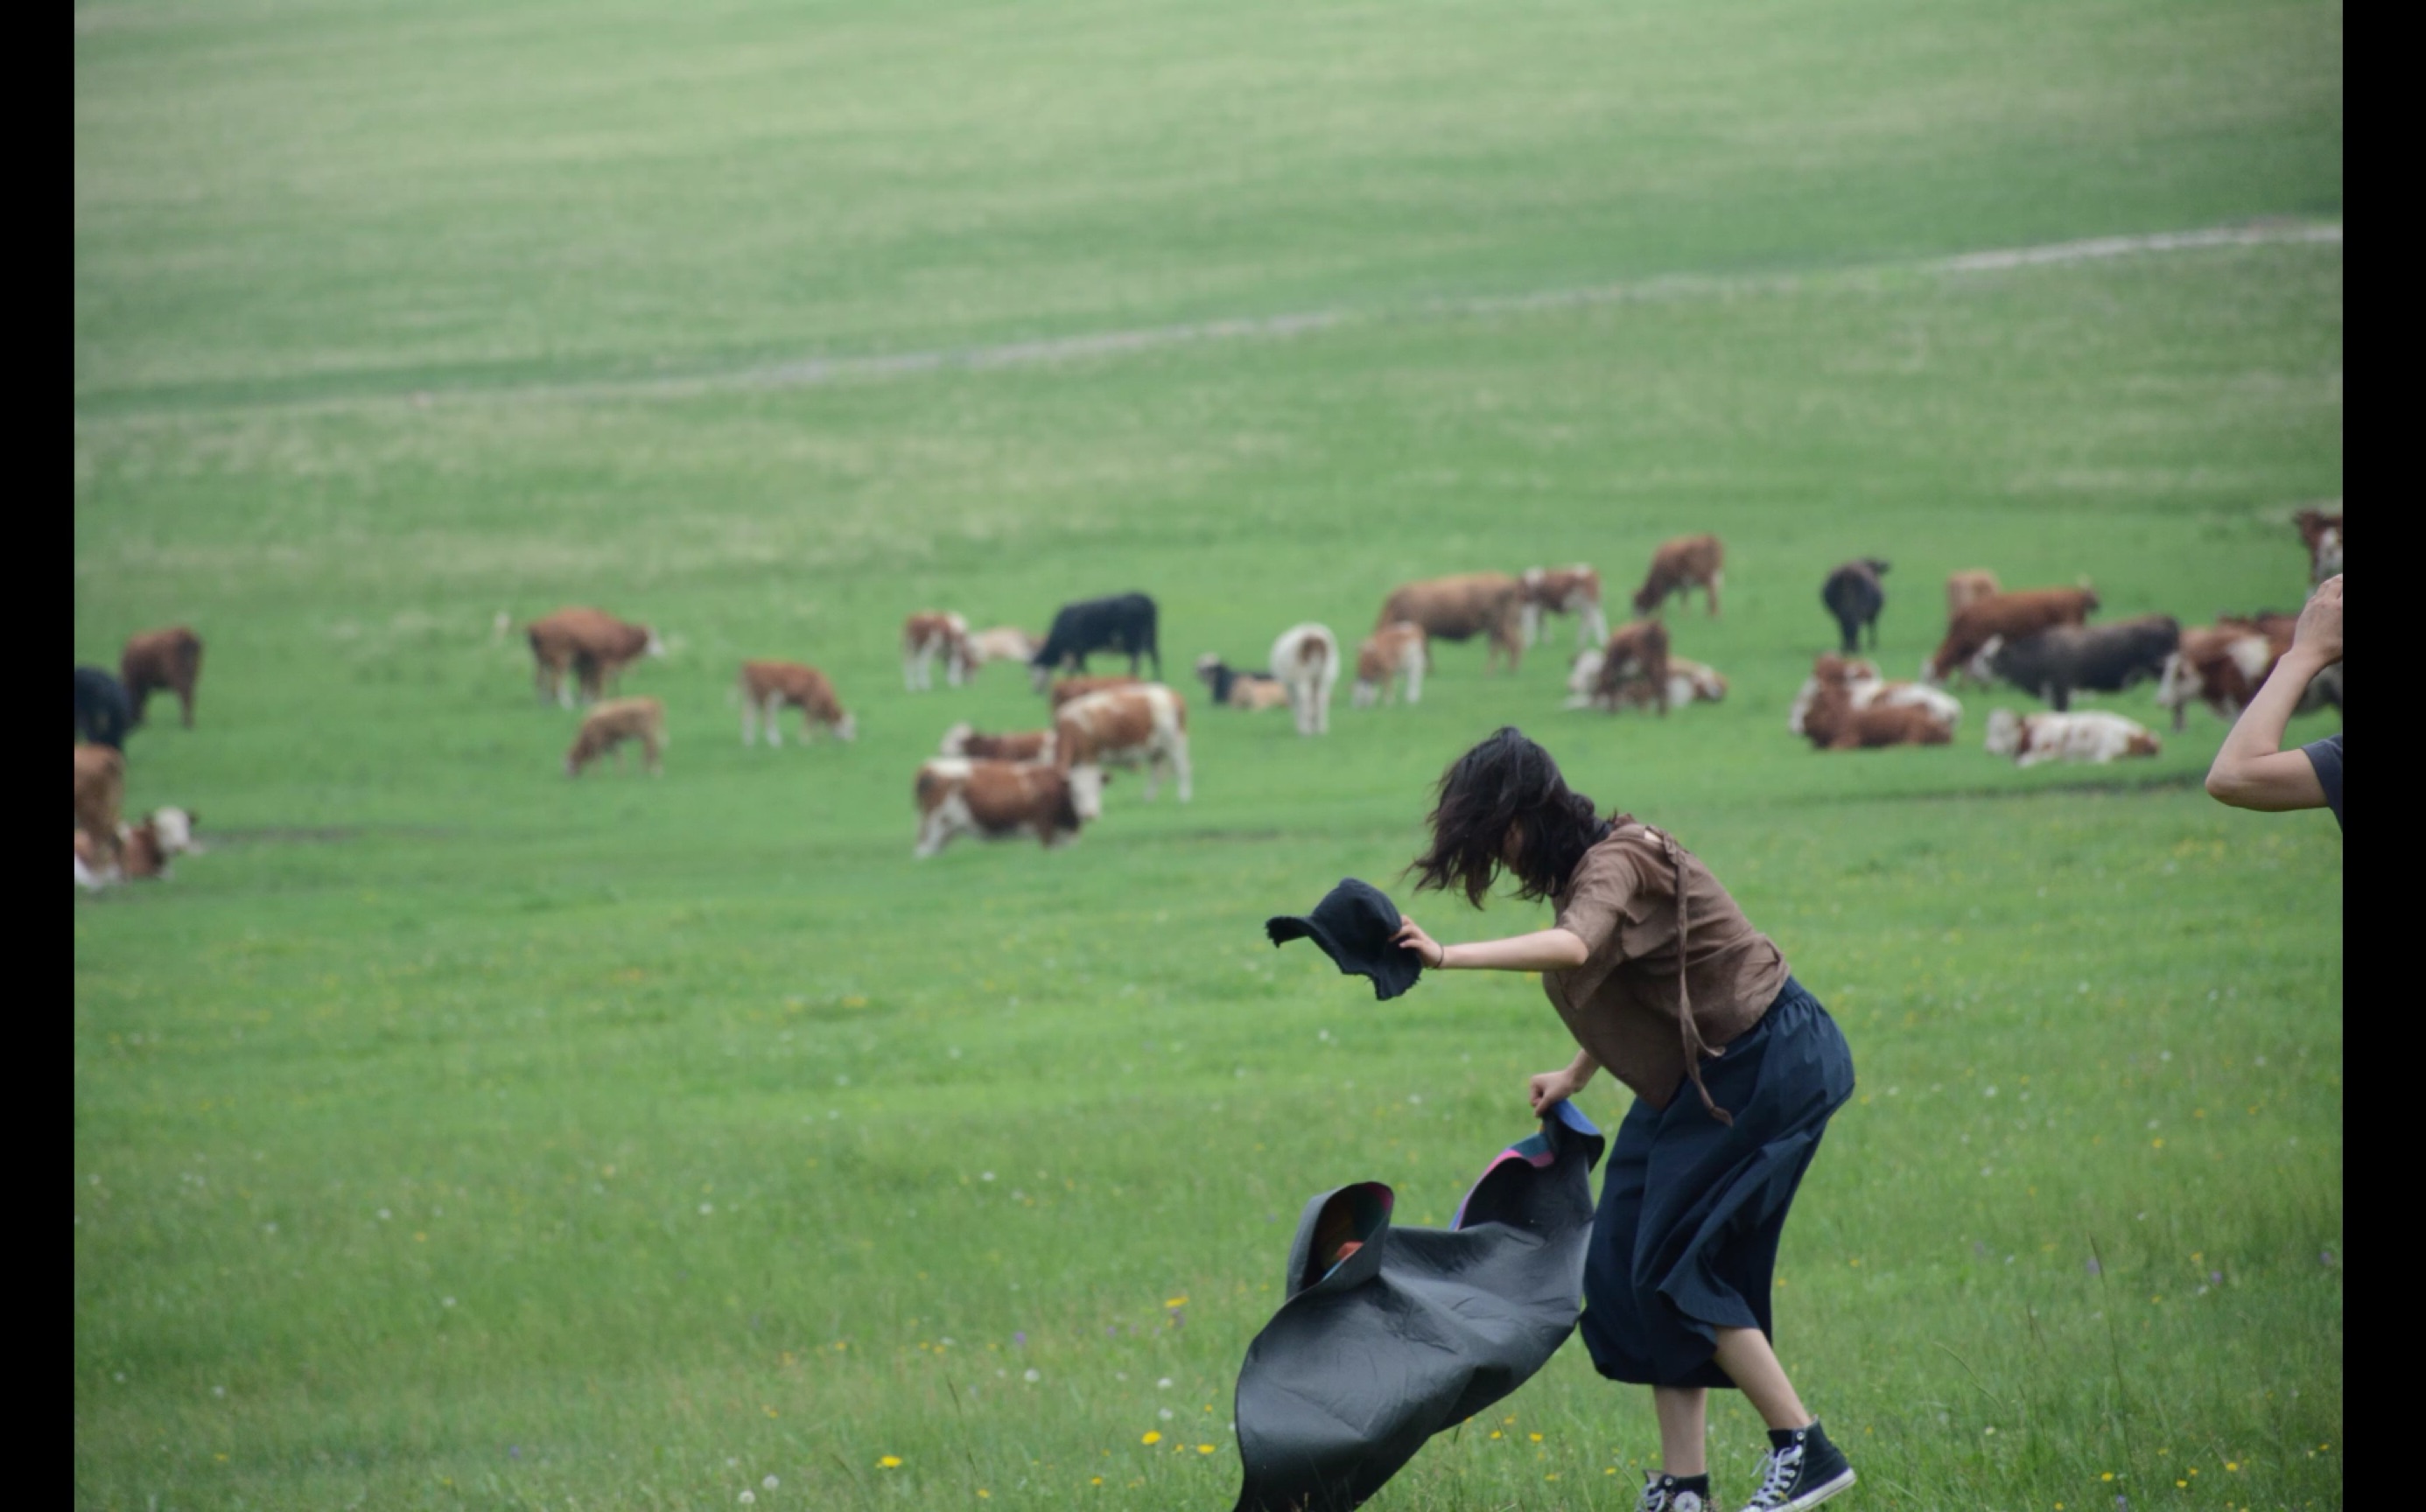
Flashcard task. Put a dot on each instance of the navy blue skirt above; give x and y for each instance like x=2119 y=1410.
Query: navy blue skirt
x=1685 y=1239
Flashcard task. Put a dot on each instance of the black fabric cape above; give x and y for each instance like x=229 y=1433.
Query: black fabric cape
x=1415 y=1329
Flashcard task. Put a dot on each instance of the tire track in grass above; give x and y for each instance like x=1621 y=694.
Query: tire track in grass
x=810 y=372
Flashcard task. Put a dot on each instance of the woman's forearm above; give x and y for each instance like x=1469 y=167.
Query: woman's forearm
x=1545 y=950
x=2251 y=770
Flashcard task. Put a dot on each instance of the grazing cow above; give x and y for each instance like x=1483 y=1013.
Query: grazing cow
x=138 y=852
x=1678 y=566
x=964 y=739
x=1861 y=686
x=1834 y=723
x=1634 y=670
x=2097 y=658
x=607 y=726
x=157 y=659
x=1305 y=658
x=2022 y=612
x=591 y=644
x=1391 y=656
x=1144 y=726
x=1854 y=595
x=1123 y=624
x=2222 y=666
x=930 y=634
x=1001 y=644
x=1689 y=681
x=998 y=800
x=1967 y=588
x=1078 y=688
x=143 y=852
x=1232 y=687
x=1459 y=608
x=102 y=712
x=2321 y=532
x=100 y=789
x=1576 y=590
x=767 y=687
x=2090 y=735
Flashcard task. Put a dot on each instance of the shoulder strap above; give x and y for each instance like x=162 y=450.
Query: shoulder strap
x=1695 y=1046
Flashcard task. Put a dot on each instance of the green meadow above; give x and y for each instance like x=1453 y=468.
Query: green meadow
x=450 y=1133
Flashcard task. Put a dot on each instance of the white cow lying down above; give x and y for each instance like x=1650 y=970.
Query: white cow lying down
x=2081 y=736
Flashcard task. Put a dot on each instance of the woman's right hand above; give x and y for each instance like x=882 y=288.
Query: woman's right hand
x=1430 y=953
x=1552 y=1086
x=2319 y=631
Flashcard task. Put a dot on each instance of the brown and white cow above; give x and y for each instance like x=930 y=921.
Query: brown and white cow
x=1067 y=688
x=1490 y=604
x=1633 y=669
x=2022 y=612
x=1391 y=657
x=2223 y=665
x=611 y=723
x=1001 y=800
x=1575 y=590
x=1833 y=723
x=142 y=851
x=1305 y=663
x=1689 y=681
x=1859 y=681
x=1144 y=726
x=930 y=634
x=2321 y=532
x=158 y=660
x=100 y=789
x=591 y=644
x=769 y=687
x=2080 y=735
x=1685 y=563
x=964 y=739
x=1968 y=587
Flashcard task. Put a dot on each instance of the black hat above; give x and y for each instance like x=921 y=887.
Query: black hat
x=1353 y=925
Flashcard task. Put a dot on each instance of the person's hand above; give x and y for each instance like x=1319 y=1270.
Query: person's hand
x=1431 y=952
x=2319 y=634
x=1552 y=1086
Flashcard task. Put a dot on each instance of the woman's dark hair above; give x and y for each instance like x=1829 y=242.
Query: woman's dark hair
x=1505 y=782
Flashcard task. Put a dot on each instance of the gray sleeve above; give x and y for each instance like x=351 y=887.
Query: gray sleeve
x=2326 y=757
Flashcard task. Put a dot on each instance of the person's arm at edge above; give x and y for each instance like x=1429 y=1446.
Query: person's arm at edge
x=2252 y=770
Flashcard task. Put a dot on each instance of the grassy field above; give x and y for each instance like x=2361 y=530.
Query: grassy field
x=455 y=1135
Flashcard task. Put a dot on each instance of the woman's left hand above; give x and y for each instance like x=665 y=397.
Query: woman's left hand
x=1429 y=952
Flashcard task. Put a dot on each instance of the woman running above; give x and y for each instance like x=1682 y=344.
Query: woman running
x=1735 y=1070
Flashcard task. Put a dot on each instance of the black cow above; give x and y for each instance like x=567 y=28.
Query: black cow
x=2100 y=659
x=1123 y=623
x=1852 y=594
x=103 y=716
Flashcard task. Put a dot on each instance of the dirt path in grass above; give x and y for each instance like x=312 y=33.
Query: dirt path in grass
x=812 y=371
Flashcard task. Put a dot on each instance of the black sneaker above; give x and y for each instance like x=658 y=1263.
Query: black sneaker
x=1801 y=1470
x=1675 y=1493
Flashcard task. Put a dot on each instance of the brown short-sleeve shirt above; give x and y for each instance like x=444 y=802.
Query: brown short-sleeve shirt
x=1620 y=1004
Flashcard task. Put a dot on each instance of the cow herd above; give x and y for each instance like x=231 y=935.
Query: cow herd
x=2040 y=641
x=1048 y=782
